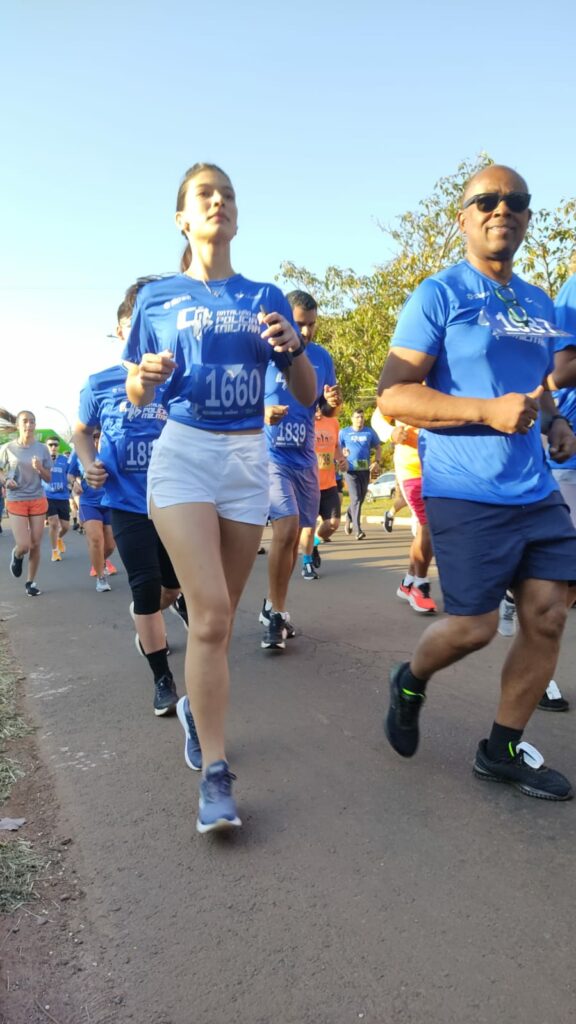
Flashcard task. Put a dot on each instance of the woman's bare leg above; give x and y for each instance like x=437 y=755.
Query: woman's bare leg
x=212 y=559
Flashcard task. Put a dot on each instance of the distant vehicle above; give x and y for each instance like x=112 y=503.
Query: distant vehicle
x=383 y=487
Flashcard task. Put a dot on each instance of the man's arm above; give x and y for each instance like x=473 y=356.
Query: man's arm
x=401 y=394
x=561 y=439
x=94 y=470
x=564 y=372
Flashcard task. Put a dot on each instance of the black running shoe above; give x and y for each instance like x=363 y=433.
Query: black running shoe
x=526 y=772
x=275 y=633
x=361 y=535
x=316 y=559
x=179 y=608
x=264 y=618
x=401 y=722
x=16 y=564
x=165 y=696
x=553 y=699
x=388 y=521
x=32 y=589
x=309 y=572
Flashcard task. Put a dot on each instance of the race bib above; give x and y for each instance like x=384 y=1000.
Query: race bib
x=502 y=326
x=290 y=435
x=134 y=453
x=324 y=460
x=361 y=464
x=229 y=392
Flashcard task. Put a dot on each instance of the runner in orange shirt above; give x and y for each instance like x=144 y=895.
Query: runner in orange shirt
x=330 y=457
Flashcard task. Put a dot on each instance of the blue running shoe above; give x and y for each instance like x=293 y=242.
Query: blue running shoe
x=192 y=751
x=217 y=809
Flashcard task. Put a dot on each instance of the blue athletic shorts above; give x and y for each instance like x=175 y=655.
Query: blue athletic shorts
x=86 y=512
x=294 y=492
x=482 y=549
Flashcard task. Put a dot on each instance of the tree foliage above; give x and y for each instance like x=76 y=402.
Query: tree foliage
x=359 y=312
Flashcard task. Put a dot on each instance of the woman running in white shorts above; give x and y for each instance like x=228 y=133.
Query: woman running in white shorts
x=210 y=334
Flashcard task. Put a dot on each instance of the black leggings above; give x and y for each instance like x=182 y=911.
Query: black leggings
x=145 y=559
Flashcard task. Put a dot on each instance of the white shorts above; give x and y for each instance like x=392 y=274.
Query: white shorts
x=228 y=470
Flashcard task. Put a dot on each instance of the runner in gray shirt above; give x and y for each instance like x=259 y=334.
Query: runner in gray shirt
x=24 y=463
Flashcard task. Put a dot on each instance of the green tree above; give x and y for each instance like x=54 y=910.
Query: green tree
x=359 y=313
x=549 y=250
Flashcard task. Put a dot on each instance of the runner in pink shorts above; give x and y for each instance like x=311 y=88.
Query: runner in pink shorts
x=415 y=586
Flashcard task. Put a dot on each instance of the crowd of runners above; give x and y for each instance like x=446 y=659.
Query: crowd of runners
x=223 y=415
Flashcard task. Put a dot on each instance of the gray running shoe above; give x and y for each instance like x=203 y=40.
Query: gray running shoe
x=507 y=620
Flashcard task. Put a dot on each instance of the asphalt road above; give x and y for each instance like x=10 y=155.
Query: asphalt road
x=362 y=887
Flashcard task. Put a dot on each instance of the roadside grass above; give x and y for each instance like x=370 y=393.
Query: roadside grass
x=19 y=864
x=376 y=508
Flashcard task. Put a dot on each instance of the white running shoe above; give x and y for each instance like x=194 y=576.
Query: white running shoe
x=507 y=620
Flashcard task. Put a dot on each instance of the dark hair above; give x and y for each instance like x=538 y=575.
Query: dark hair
x=52 y=437
x=23 y=412
x=191 y=173
x=302 y=299
x=359 y=412
x=126 y=307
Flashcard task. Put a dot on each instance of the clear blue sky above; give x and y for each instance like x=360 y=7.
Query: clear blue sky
x=327 y=116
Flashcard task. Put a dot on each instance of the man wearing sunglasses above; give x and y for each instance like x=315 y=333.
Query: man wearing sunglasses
x=57 y=494
x=483 y=341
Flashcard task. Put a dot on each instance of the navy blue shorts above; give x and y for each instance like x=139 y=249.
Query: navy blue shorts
x=294 y=491
x=482 y=549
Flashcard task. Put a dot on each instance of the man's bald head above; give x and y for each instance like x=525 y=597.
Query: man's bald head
x=483 y=180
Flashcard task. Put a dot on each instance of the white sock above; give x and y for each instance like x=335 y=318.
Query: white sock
x=419 y=580
x=408 y=579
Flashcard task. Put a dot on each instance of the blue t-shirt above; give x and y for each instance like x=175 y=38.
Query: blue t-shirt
x=479 y=352
x=213 y=331
x=359 y=444
x=565 y=398
x=57 y=489
x=90 y=495
x=128 y=434
x=291 y=442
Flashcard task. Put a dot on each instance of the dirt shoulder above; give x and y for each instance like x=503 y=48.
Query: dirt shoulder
x=51 y=964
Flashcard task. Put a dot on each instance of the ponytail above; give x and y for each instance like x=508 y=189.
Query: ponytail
x=186 y=258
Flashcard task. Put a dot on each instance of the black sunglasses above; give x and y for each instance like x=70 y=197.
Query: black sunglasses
x=516 y=312
x=53 y=444
x=488 y=201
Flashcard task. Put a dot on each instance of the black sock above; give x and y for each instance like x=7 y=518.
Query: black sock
x=502 y=742
x=410 y=683
x=158 y=662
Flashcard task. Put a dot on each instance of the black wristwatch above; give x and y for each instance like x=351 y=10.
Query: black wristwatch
x=298 y=351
